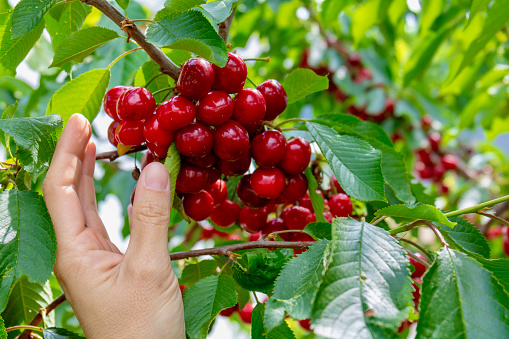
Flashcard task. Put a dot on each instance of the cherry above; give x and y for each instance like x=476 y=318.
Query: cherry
x=419 y=269
x=111 y=99
x=336 y=184
x=340 y=205
x=225 y=214
x=146 y=158
x=246 y=194
x=111 y=133
x=328 y=215
x=255 y=236
x=130 y=133
x=232 y=76
x=218 y=191
x=249 y=109
x=297 y=156
x=296 y=217
x=214 y=108
x=160 y=152
x=275 y=98
x=246 y=313
x=236 y=167
x=438 y=172
x=425 y=156
x=434 y=141
x=494 y=232
x=253 y=220
x=194 y=140
x=136 y=103
x=425 y=172
x=450 y=162
x=155 y=135
x=214 y=174
x=426 y=122
x=182 y=289
x=305 y=324
x=198 y=206
x=268 y=148
x=354 y=59
x=275 y=225
x=176 y=113
x=231 y=141
x=296 y=188
x=191 y=179
x=228 y=311
x=196 y=78
x=364 y=74
x=505 y=245
x=268 y=182
x=206 y=161
x=417 y=291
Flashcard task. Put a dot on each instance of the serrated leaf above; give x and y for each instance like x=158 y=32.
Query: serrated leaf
x=296 y=287
x=122 y=3
x=28 y=14
x=28 y=243
x=146 y=72
x=315 y=198
x=7 y=114
x=205 y=300
x=219 y=10
x=366 y=290
x=320 y=230
x=13 y=51
x=415 y=212
x=258 y=271
x=466 y=237
x=81 y=43
x=192 y=273
x=71 y=18
x=302 y=82
x=3 y=333
x=460 y=299
x=258 y=328
x=189 y=31
x=59 y=333
x=83 y=95
x=172 y=163
x=355 y=163
x=499 y=268
x=179 y=6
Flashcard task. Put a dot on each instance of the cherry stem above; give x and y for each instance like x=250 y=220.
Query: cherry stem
x=271 y=235
x=113 y=155
x=42 y=312
x=256 y=297
x=123 y=55
x=476 y=208
x=266 y=59
x=252 y=82
x=416 y=258
x=437 y=233
x=377 y=220
x=23 y=327
x=494 y=217
x=163 y=90
x=291 y=120
x=406 y=227
x=140 y=20
x=152 y=79
x=416 y=245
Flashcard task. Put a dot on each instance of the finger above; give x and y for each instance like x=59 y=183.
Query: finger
x=62 y=180
x=150 y=218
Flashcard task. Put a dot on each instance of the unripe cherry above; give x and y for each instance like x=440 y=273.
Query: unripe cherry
x=136 y=103
x=175 y=113
x=232 y=76
x=196 y=78
x=198 y=206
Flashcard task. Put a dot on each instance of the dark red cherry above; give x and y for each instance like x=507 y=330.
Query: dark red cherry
x=247 y=196
x=253 y=220
x=214 y=108
x=214 y=174
x=275 y=225
x=176 y=113
x=434 y=141
x=419 y=269
x=218 y=191
x=130 y=132
x=236 y=167
x=268 y=182
x=297 y=156
x=268 y=148
x=354 y=59
x=249 y=109
x=111 y=133
x=296 y=217
x=275 y=98
x=425 y=156
x=206 y=161
x=424 y=171
x=450 y=162
x=146 y=159
x=136 y=103
x=228 y=311
x=154 y=134
x=191 y=179
x=195 y=79
x=160 y=152
x=194 y=140
x=225 y=214
x=111 y=99
x=300 y=237
x=336 y=184
x=305 y=324
x=438 y=172
x=232 y=76
x=340 y=205
x=296 y=188
x=231 y=141
x=246 y=314
x=198 y=206
x=426 y=122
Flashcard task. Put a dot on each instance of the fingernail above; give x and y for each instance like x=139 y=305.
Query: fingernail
x=156 y=177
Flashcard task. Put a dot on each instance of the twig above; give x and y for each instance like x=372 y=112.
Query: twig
x=476 y=208
x=416 y=245
x=23 y=327
x=437 y=233
x=224 y=27
x=416 y=258
x=498 y=210
x=494 y=217
x=378 y=220
x=113 y=155
x=406 y=227
x=39 y=316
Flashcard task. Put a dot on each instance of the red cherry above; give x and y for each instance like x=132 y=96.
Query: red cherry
x=450 y=162
x=494 y=232
x=232 y=76
x=296 y=188
x=236 y=167
x=225 y=214
x=505 y=245
x=231 y=141
x=425 y=172
x=196 y=78
x=111 y=133
x=296 y=217
x=306 y=202
x=155 y=135
x=354 y=59
x=328 y=215
x=404 y=325
x=160 y=152
x=255 y=236
x=246 y=313
x=146 y=159
x=300 y=237
x=214 y=108
x=253 y=220
x=228 y=311
x=214 y=174
x=182 y=288
x=336 y=184
x=218 y=191
x=206 y=161
x=191 y=179
x=305 y=324
x=297 y=156
x=130 y=132
x=426 y=122
x=268 y=182
x=434 y=141
x=268 y=148
x=364 y=74
x=111 y=99
x=275 y=98
x=198 y=206
x=246 y=194
x=194 y=140
x=419 y=269
x=340 y=205
x=249 y=109
x=176 y=113
x=275 y=225
x=438 y=172
x=425 y=156
x=136 y=103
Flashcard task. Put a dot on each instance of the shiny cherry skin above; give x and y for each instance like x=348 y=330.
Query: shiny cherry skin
x=236 y=167
x=175 y=113
x=206 y=161
x=246 y=313
x=196 y=78
x=305 y=324
x=111 y=99
x=147 y=158
x=136 y=103
x=275 y=98
x=218 y=191
x=249 y=109
x=214 y=174
x=225 y=214
x=450 y=162
x=232 y=76
x=198 y=206
x=159 y=152
x=336 y=184
x=296 y=217
x=297 y=156
x=231 y=141
x=253 y=220
x=214 y=108
x=247 y=196
x=111 y=133
x=296 y=188
x=268 y=182
x=154 y=134
x=340 y=205
x=275 y=225
x=194 y=140
x=419 y=269
x=268 y=148
x=130 y=133
x=191 y=179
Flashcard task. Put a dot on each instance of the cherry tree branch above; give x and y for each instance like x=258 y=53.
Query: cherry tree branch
x=113 y=155
x=224 y=27
x=39 y=316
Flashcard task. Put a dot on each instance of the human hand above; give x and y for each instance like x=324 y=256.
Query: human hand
x=113 y=295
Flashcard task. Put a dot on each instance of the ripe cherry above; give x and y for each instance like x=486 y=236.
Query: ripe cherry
x=275 y=98
x=505 y=245
x=340 y=205
x=434 y=141
x=296 y=217
x=246 y=194
x=176 y=113
x=191 y=179
x=154 y=134
x=246 y=313
x=305 y=324
x=231 y=141
x=424 y=171
x=419 y=269
x=417 y=292
x=426 y=122
x=275 y=225
x=206 y=161
x=146 y=158
x=196 y=78
x=450 y=162
x=198 y=206
x=218 y=191
x=295 y=188
x=214 y=174
x=336 y=184
x=249 y=109
x=160 y=152
x=228 y=311
x=111 y=133
x=236 y=167
x=194 y=140
x=225 y=214
x=268 y=182
x=425 y=156
x=253 y=220
x=268 y=148
x=136 y=103
x=111 y=99
x=232 y=76
x=214 y=108
x=130 y=133
x=297 y=156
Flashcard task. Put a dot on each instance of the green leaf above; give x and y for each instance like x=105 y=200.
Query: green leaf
x=172 y=163
x=72 y=16
x=122 y=3
x=59 y=333
x=81 y=43
x=466 y=237
x=296 y=287
x=8 y=114
x=146 y=72
x=302 y=82
x=3 y=333
x=257 y=271
x=179 y=6
x=13 y=51
x=499 y=268
x=83 y=95
x=460 y=299
x=354 y=162
x=415 y=212
x=332 y=8
x=316 y=199
x=320 y=230
x=189 y=31
x=28 y=244
x=475 y=7
x=192 y=273
x=219 y=10
x=368 y=14
x=258 y=328
x=366 y=291
x=205 y=300
x=28 y=15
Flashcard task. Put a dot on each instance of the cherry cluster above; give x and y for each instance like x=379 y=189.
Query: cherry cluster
x=417 y=274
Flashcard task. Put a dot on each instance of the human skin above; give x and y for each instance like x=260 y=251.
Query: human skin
x=113 y=295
